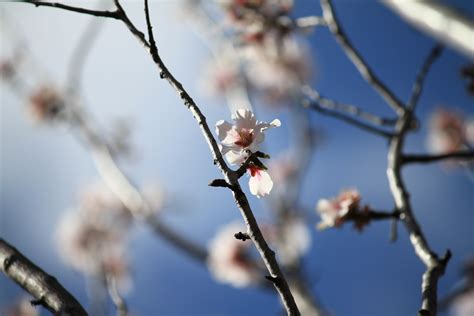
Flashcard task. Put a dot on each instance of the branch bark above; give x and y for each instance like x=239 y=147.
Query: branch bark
x=47 y=291
x=356 y=58
x=426 y=158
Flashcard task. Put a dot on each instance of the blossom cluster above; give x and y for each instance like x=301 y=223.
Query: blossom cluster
x=92 y=238
x=335 y=211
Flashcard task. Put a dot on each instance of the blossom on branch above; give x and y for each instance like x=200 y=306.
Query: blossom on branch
x=334 y=211
x=260 y=183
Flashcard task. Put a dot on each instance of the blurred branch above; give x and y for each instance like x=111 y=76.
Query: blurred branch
x=361 y=65
x=117 y=299
x=254 y=232
x=43 y=287
x=444 y=23
x=435 y=266
x=345 y=112
x=420 y=78
x=422 y=158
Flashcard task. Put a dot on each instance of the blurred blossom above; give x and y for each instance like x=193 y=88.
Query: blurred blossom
x=155 y=195
x=333 y=211
x=464 y=305
x=45 y=104
x=449 y=132
x=221 y=74
x=92 y=238
x=21 y=308
x=292 y=241
x=242 y=138
x=277 y=69
x=282 y=169
x=229 y=259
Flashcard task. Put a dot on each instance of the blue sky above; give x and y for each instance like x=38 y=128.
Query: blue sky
x=42 y=168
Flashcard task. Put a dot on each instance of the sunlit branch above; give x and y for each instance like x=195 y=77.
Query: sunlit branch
x=435 y=266
x=356 y=58
x=117 y=299
x=46 y=290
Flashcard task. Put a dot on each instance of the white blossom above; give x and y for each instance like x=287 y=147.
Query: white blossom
x=294 y=240
x=243 y=137
x=260 y=183
x=332 y=211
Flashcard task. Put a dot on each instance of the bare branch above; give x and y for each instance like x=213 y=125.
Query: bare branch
x=356 y=58
x=98 y=13
x=424 y=158
x=46 y=290
x=420 y=78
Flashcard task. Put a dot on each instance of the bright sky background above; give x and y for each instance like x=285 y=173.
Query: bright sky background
x=42 y=168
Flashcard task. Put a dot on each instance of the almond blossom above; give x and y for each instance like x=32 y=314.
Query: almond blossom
x=92 y=238
x=238 y=141
x=229 y=260
x=332 y=211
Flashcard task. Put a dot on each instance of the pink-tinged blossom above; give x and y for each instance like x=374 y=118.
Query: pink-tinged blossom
x=92 y=238
x=229 y=259
x=243 y=137
x=22 y=307
x=446 y=132
x=260 y=183
x=464 y=305
x=292 y=241
x=332 y=211
x=45 y=104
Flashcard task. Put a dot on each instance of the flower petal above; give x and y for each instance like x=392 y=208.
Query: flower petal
x=244 y=118
x=260 y=184
x=222 y=129
x=236 y=157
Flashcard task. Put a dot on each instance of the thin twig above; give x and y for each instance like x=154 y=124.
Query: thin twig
x=420 y=78
x=98 y=13
x=465 y=155
x=46 y=290
x=356 y=58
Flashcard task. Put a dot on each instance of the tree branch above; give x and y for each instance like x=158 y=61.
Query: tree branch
x=420 y=78
x=98 y=13
x=255 y=234
x=425 y=158
x=356 y=58
x=43 y=287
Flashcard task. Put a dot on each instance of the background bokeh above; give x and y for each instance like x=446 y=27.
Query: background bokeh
x=42 y=168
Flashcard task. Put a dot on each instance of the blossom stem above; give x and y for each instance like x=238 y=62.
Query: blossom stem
x=46 y=290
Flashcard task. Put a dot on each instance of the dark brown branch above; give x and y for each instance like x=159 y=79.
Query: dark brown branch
x=255 y=234
x=465 y=155
x=43 y=287
x=420 y=78
x=356 y=58
x=98 y=13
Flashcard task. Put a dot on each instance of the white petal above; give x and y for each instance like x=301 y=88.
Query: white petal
x=244 y=118
x=235 y=157
x=222 y=128
x=260 y=184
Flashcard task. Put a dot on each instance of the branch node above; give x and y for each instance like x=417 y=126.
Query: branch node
x=241 y=236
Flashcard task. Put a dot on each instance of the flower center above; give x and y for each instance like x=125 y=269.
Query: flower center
x=246 y=137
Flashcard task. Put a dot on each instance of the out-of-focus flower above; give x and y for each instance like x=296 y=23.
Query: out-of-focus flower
x=21 y=308
x=155 y=196
x=222 y=74
x=229 y=259
x=241 y=139
x=260 y=183
x=92 y=239
x=7 y=69
x=333 y=211
x=449 y=132
x=464 y=305
x=277 y=70
x=292 y=241
x=45 y=103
